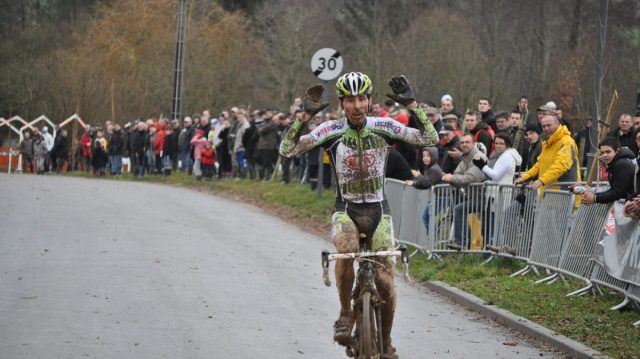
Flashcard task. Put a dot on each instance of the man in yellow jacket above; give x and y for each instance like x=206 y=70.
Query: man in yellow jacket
x=558 y=161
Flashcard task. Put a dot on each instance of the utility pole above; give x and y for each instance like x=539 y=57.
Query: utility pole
x=176 y=106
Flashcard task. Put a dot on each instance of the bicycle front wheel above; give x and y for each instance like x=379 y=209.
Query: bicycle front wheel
x=367 y=330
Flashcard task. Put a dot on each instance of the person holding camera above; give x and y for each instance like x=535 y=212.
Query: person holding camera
x=621 y=170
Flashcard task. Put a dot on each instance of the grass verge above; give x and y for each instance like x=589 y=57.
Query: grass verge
x=585 y=319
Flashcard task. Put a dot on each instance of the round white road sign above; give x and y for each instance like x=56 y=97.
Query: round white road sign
x=326 y=64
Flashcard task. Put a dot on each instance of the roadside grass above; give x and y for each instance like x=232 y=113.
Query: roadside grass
x=586 y=319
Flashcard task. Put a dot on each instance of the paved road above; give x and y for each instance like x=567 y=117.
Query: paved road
x=109 y=269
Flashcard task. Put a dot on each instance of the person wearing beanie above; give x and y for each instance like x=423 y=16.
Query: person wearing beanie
x=532 y=134
x=447 y=106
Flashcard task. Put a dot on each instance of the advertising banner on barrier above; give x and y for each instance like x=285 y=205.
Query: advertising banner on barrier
x=619 y=250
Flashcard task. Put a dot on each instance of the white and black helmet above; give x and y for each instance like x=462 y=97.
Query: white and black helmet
x=353 y=84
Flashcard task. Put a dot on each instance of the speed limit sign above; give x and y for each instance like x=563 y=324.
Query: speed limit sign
x=326 y=64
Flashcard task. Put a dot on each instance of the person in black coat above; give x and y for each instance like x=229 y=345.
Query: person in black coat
x=136 y=146
x=169 y=149
x=397 y=166
x=61 y=150
x=626 y=133
x=249 y=142
x=99 y=159
x=621 y=169
x=116 y=150
x=450 y=151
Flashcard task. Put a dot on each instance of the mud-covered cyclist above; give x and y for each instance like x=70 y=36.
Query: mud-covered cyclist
x=358 y=150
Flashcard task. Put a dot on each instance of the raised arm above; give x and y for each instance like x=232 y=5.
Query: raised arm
x=293 y=142
x=425 y=134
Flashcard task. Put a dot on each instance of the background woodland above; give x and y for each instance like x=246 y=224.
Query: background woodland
x=109 y=59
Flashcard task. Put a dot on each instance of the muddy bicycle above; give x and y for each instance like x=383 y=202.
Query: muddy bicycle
x=366 y=340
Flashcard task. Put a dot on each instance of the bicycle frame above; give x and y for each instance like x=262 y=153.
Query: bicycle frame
x=365 y=295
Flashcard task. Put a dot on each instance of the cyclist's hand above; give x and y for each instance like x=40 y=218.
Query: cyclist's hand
x=402 y=93
x=312 y=100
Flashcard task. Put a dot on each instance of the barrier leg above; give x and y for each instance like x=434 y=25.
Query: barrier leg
x=582 y=291
x=523 y=271
x=598 y=290
x=621 y=305
x=552 y=277
x=488 y=260
x=535 y=270
x=432 y=255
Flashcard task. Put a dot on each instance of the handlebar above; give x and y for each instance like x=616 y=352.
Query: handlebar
x=401 y=251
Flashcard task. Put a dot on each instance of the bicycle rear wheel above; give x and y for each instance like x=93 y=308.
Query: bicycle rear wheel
x=367 y=330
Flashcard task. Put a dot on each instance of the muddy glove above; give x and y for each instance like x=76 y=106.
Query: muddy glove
x=312 y=100
x=402 y=93
x=479 y=162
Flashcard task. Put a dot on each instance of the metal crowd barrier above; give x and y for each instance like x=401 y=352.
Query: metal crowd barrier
x=459 y=216
x=549 y=231
x=633 y=293
x=579 y=246
x=394 y=189
x=515 y=219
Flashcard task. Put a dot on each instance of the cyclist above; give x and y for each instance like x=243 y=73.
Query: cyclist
x=358 y=150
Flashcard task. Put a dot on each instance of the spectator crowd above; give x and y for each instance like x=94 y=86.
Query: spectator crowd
x=539 y=147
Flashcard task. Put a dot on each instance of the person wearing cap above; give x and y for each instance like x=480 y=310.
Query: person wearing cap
x=452 y=120
x=558 y=161
x=449 y=150
x=550 y=108
x=447 y=106
x=546 y=109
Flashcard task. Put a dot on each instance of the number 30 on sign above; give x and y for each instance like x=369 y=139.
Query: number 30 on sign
x=326 y=64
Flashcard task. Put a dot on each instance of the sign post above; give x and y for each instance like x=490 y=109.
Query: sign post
x=326 y=65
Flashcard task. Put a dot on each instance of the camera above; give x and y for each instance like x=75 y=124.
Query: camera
x=579 y=189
